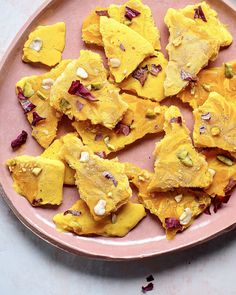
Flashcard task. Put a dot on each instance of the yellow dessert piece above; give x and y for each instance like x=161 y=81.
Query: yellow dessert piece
x=45 y=44
x=220 y=79
x=53 y=152
x=177 y=163
x=38 y=179
x=175 y=209
x=108 y=108
x=124 y=48
x=79 y=220
x=223 y=169
x=143 y=117
x=142 y=24
x=215 y=123
x=102 y=184
x=37 y=90
x=188 y=35
x=154 y=70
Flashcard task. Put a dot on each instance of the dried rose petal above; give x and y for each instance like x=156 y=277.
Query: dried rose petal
x=202 y=206
x=202 y=129
x=198 y=13
x=155 y=69
x=218 y=201
x=101 y=154
x=185 y=76
x=108 y=175
x=147 y=288
x=98 y=137
x=72 y=212
x=231 y=184
x=79 y=106
x=36 y=202
x=102 y=13
x=131 y=13
x=21 y=139
x=79 y=89
x=177 y=120
x=121 y=128
x=141 y=74
x=172 y=222
x=206 y=116
x=36 y=119
x=122 y=47
x=26 y=104
x=207 y=211
x=150 y=278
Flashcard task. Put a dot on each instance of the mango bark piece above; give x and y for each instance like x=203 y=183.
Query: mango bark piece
x=91 y=28
x=153 y=87
x=124 y=48
x=137 y=119
x=143 y=24
x=210 y=80
x=177 y=163
x=224 y=178
x=215 y=123
x=117 y=225
x=45 y=44
x=102 y=184
x=38 y=179
x=166 y=205
x=37 y=90
x=188 y=36
x=109 y=107
x=53 y=152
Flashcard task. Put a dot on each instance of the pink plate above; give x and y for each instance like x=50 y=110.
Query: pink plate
x=148 y=238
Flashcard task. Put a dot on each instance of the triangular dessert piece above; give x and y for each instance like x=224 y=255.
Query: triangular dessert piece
x=124 y=48
x=188 y=35
x=215 y=123
x=102 y=184
x=79 y=220
x=177 y=163
x=33 y=93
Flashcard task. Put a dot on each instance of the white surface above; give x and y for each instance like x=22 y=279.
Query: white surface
x=30 y=266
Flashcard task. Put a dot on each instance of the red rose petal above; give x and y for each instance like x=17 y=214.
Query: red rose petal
x=21 y=139
x=102 y=13
x=108 y=175
x=185 y=76
x=155 y=69
x=79 y=89
x=147 y=288
x=150 y=278
x=36 y=119
x=101 y=154
x=72 y=212
x=131 y=13
x=121 y=128
x=198 y=13
x=26 y=104
x=206 y=116
x=141 y=74
x=172 y=222
x=231 y=184
x=177 y=120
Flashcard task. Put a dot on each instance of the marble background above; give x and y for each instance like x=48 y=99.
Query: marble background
x=31 y=266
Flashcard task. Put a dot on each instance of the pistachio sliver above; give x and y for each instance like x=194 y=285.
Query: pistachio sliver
x=64 y=104
x=28 y=90
x=227 y=161
x=41 y=95
x=185 y=158
x=229 y=73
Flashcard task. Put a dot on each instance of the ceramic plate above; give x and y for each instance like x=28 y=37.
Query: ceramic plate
x=148 y=238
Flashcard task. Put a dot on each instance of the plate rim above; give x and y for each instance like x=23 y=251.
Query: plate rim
x=60 y=243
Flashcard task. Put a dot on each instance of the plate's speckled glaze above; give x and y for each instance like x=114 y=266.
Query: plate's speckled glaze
x=148 y=238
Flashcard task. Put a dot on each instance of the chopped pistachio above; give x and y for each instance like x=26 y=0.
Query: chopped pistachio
x=96 y=86
x=212 y=171
x=150 y=114
x=36 y=171
x=206 y=87
x=109 y=194
x=113 y=218
x=225 y=160
x=82 y=73
x=84 y=157
x=184 y=158
x=36 y=44
x=141 y=178
x=41 y=95
x=215 y=131
x=157 y=110
x=229 y=73
x=64 y=104
x=177 y=41
x=193 y=90
x=28 y=90
x=107 y=143
x=127 y=22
